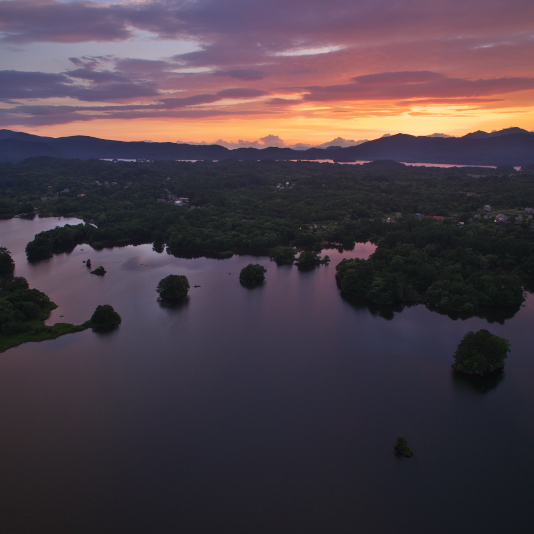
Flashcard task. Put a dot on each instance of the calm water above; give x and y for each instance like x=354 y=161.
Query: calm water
x=272 y=410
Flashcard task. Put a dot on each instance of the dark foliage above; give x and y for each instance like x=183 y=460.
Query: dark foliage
x=481 y=353
x=172 y=287
x=7 y=265
x=308 y=259
x=20 y=305
x=252 y=275
x=105 y=316
x=99 y=271
x=239 y=207
x=283 y=255
x=402 y=448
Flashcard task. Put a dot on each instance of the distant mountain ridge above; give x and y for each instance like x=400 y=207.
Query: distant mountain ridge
x=512 y=146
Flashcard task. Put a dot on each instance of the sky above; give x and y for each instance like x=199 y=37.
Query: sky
x=265 y=72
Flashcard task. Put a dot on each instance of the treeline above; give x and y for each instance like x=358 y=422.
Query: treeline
x=261 y=206
x=239 y=206
x=444 y=266
x=21 y=308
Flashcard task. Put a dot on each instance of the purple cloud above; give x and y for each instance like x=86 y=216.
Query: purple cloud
x=276 y=25
x=241 y=93
x=96 y=76
x=189 y=101
x=436 y=87
x=422 y=76
x=19 y=85
x=374 y=51
x=242 y=74
x=25 y=21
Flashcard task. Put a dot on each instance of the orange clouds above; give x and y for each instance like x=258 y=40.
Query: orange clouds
x=305 y=68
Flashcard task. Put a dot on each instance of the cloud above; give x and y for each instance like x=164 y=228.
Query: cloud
x=242 y=93
x=402 y=86
x=387 y=78
x=189 y=101
x=21 y=85
x=381 y=58
x=272 y=25
x=18 y=85
x=242 y=74
x=277 y=141
x=26 y=21
x=96 y=76
x=144 y=66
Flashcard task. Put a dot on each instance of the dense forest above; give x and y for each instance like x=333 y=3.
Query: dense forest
x=455 y=239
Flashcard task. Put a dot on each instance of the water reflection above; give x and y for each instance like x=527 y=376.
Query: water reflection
x=385 y=312
x=492 y=314
x=174 y=305
x=158 y=247
x=482 y=384
x=106 y=331
x=196 y=254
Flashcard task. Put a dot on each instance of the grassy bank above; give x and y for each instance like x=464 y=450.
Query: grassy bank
x=38 y=332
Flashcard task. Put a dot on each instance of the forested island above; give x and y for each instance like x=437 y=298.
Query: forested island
x=457 y=239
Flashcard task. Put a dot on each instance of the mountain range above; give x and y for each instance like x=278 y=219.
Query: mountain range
x=512 y=146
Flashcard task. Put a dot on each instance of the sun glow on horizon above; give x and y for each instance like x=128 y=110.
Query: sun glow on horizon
x=204 y=71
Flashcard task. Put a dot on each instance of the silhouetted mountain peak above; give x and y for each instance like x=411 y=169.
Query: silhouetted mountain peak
x=512 y=146
x=497 y=133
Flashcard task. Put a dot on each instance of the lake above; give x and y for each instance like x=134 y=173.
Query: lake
x=266 y=410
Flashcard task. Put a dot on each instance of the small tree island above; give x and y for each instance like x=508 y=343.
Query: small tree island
x=173 y=287
x=480 y=353
x=104 y=317
x=252 y=275
x=99 y=271
x=402 y=448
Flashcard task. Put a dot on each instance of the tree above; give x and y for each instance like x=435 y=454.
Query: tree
x=402 y=448
x=308 y=259
x=172 y=287
x=7 y=265
x=99 y=271
x=252 y=275
x=104 y=316
x=283 y=255
x=39 y=249
x=480 y=353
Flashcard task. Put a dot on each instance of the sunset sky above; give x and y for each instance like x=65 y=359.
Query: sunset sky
x=301 y=71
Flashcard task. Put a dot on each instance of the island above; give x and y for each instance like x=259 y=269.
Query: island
x=99 y=271
x=480 y=353
x=402 y=448
x=173 y=287
x=252 y=275
x=104 y=317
